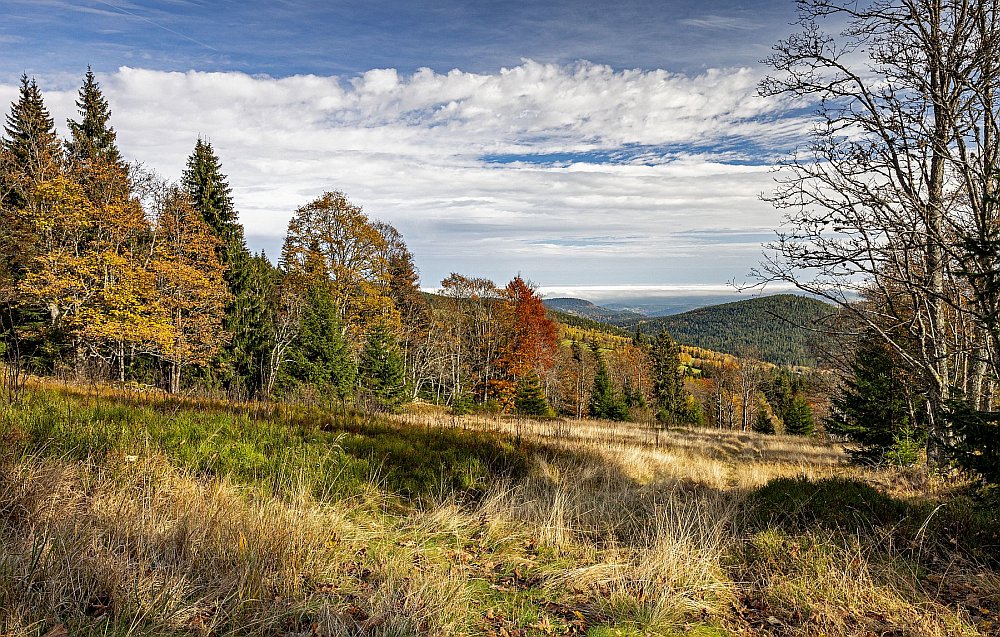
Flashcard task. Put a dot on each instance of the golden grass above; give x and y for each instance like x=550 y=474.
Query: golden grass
x=716 y=458
x=615 y=528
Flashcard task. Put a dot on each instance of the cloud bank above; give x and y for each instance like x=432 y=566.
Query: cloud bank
x=577 y=174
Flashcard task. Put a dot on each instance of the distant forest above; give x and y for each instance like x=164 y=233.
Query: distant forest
x=781 y=329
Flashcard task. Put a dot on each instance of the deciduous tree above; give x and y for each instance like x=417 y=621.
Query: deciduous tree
x=190 y=284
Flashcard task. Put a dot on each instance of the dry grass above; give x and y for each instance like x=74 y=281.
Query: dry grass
x=715 y=458
x=610 y=532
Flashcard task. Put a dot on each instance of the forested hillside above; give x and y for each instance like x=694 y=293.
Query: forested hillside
x=777 y=329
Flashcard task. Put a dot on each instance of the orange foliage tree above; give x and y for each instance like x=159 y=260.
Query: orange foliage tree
x=531 y=345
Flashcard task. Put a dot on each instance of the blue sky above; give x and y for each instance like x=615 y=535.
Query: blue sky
x=578 y=143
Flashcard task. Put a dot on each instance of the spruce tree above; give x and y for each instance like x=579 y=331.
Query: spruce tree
x=529 y=399
x=92 y=139
x=799 y=418
x=763 y=424
x=245 y=358
x=669 y=395
x=605 y=403
x=639 y=339
x=872 y=407
x=319 y=356
x=33 y=150
x=30 y=153
x=381 y=372
x=245 y=320
x=205 y=182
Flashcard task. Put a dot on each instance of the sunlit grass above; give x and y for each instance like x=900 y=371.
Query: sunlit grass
x=135 y=514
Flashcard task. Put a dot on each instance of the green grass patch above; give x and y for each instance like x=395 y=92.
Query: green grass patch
x=335 y=454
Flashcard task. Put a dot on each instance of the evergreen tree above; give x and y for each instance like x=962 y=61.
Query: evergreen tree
x=779 y=392
x=605 y=402
x=669 y=395
x=763 y=424
x=209 y=188
x=33 y=150
x=529 y=399
x=639 y=339
x=799 y=418
x=92 y=139
x=319 y=355
x=246 y=313
x=30 y=154
x=976 y=442
x=633 y=396
x=872 y=407
x=381 y=372
x=246 y=356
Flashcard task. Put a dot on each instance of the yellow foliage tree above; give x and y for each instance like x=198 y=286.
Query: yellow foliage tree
x=189 y=282
x=332 y=237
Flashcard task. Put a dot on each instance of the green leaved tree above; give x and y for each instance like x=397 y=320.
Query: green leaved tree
x=798 y=418
x=92 y=139
x=670 y=399
x=240 y=363
x=529 y=398
x=318 y=355
x=31 y=154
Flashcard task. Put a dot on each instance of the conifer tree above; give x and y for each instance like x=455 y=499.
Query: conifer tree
x=639 y=338
x=872 y=408
x=381 y=372
x=32 y=154
x=319 y=356
x=246 y=356
x=92 y=139
x=669 y=395
x=605 y=402
x=529 y=399
x=763 y=424
x=246 y=314
x=799 y=418
x=209 y=189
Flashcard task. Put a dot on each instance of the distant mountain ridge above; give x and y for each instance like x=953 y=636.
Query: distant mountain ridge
x=779 y=329
x=588 y=310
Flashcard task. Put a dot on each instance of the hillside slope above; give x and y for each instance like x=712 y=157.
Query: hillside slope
x=586 y=309
x=775 y=328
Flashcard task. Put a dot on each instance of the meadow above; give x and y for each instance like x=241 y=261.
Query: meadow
x=127 y=512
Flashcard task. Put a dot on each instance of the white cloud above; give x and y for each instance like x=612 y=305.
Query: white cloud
x=410 y=149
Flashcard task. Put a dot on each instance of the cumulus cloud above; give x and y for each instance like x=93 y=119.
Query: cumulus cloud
x=458 y=161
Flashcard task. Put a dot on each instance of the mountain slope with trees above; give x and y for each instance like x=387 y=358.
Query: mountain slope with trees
x=778 y=329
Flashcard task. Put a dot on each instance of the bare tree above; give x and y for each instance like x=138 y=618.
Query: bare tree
x=750 y=374
x=893 y=199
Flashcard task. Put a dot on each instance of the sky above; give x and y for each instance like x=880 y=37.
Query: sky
x=584 y=145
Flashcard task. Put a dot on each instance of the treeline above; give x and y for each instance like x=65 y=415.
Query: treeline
x=112 y=272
